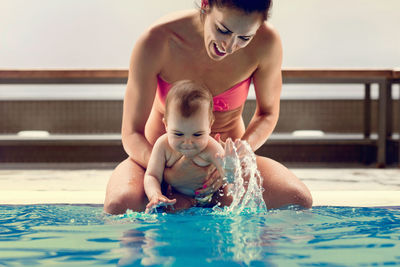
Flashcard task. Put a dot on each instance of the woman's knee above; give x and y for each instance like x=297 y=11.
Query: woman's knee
x=125 y=189
x=287 y=195
x=128 y=199
x=282 y=187
x=114 y=206
x=300 y=196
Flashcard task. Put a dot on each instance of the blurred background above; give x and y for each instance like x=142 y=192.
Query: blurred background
x=100 y=34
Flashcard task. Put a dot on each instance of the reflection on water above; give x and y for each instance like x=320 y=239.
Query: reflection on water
x=280 y=237
x=174 y=239
x=245 y=237
x=208 y=236
x=142 y=247
x=51 y=235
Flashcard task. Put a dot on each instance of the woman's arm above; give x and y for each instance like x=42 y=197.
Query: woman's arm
x=268 y=85
x=146 y=61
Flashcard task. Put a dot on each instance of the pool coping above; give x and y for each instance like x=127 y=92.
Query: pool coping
x=321 y=198
x=356 y=187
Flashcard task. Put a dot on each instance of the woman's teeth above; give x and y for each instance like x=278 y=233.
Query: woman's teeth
x=218 y=50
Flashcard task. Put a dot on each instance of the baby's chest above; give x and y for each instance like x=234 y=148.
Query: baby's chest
x=186 y=162
x=200 y=162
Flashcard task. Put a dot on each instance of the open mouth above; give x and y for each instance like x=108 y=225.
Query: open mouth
x=218 y=51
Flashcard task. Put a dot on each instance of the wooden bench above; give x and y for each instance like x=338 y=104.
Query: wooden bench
x=351 y=76
x=384 y=79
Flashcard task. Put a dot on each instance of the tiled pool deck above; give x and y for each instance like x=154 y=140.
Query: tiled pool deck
x=23 y=184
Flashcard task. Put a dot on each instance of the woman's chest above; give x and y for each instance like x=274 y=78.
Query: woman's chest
x=218 y=76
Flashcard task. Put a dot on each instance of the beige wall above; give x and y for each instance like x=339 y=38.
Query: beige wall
x=101 y=33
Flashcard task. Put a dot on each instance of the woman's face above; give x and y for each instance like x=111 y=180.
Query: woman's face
x=227 y=30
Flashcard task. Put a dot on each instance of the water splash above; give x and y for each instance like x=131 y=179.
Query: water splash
x=246 y=190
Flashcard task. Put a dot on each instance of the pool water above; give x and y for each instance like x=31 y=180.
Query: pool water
x=65 y=235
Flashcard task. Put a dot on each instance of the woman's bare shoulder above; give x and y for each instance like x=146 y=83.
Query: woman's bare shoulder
x=267 y=37
x=267 y=43
x=168 y=28
x=174 y=18
x=172 y=23
x=153 y=45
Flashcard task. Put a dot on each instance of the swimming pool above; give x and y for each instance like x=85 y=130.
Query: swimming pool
x=67 y=235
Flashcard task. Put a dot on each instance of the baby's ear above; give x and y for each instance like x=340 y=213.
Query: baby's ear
x=212 y=122
x=165 y=122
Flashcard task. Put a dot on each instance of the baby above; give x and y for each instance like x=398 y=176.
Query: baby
x=188 y=120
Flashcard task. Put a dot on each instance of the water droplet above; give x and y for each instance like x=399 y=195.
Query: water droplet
x=246 y=175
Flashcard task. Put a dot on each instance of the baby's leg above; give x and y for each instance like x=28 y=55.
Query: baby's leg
x=183 y=202
x=221 y=197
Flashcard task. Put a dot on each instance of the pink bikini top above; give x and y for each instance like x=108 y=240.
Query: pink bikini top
x=227 y=100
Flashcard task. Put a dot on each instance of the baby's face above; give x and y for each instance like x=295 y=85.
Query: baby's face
x=190 y=135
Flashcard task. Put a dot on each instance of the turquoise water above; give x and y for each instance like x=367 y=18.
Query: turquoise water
x=64 y=235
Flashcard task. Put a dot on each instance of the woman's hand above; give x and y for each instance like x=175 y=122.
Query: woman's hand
x=185 y=176
x=159 y=201
x=213 y=182
x=243 y=149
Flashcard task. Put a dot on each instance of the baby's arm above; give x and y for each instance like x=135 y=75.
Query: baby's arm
x=153 y=177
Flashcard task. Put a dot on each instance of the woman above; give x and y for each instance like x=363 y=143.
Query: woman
x=224 y=46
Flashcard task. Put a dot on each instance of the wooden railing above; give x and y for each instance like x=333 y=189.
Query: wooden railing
x=384 y=78
x=396 y=75
x=75 y=76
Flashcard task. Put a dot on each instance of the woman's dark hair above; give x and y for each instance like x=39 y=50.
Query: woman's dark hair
x=248 y=6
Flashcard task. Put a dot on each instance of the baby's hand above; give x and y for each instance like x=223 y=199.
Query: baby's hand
x=230 y=155
x=158 y=201
x=242 y=149
x=228 y=160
